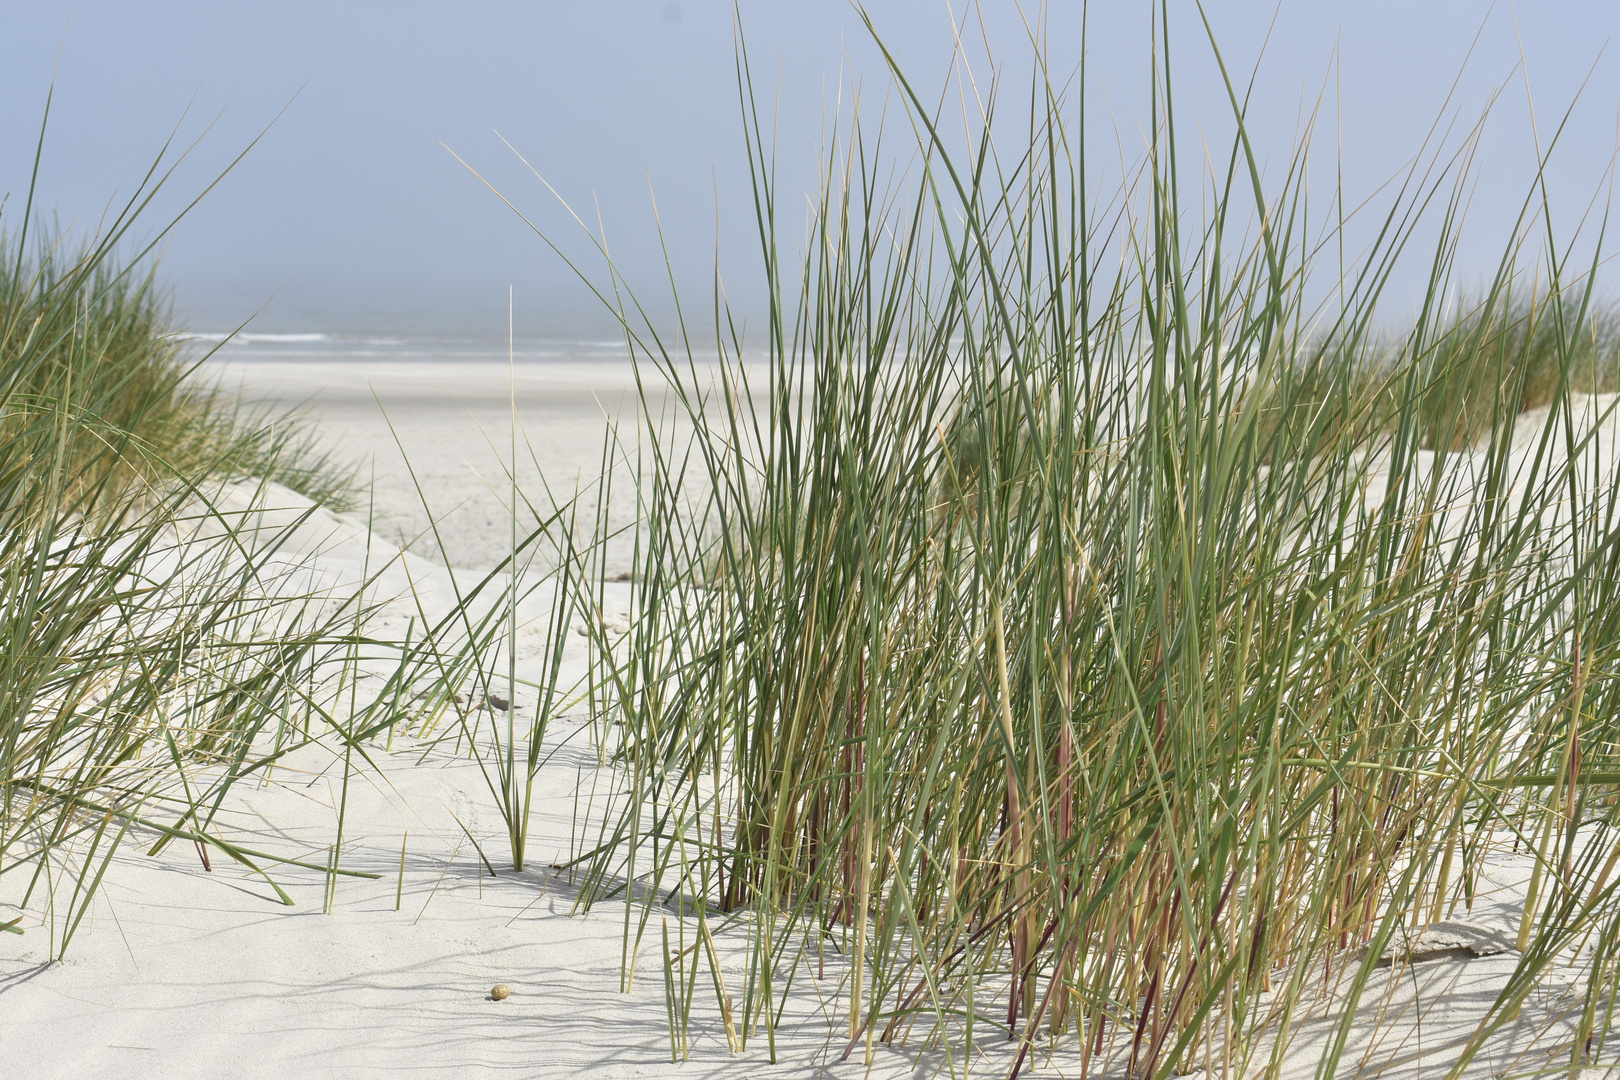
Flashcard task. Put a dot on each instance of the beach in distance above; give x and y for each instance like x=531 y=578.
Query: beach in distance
x=426 y=425
x=437 y=434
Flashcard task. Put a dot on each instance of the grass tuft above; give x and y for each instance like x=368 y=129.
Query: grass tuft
x=1077 y=633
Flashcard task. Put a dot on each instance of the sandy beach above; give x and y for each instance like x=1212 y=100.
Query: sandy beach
x=185 y=972
x=182 y=971
x=431 y=441
x=200 y=972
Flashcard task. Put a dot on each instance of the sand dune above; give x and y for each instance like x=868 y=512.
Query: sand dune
x=186 y=972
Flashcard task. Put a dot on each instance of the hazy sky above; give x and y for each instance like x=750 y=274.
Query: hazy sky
x=355 y=212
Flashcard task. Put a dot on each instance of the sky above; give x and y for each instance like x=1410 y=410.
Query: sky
x=352 y=212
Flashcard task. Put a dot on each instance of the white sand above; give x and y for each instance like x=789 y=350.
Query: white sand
x=454 y=422
x=184 y=973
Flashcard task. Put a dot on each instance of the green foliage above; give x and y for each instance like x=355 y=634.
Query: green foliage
x=1081 y=637
x=144 y=668
x=84 y=338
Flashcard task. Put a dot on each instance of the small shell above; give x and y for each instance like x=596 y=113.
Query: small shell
x=500 y=993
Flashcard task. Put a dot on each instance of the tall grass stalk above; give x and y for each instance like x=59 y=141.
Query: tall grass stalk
x=459 y=660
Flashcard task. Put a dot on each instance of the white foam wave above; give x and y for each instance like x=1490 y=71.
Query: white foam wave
x=250 y=338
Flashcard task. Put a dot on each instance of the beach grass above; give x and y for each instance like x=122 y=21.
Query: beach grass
x=149 y=660
x=1098 y=638
x=82 y=334
x=1090 y=627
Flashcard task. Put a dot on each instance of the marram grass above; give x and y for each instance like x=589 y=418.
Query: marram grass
x=144 y=668
x=84 y=335
x=1075 y=631
x=1091 y=637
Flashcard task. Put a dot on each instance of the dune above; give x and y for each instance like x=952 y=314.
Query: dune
x=185 y=970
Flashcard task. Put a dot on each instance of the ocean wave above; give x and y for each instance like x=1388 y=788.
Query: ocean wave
x=250 y=338
x=321 y=346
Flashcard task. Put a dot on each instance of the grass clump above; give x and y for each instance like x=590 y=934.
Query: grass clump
x=83 y=336
x=150 y=654
x=1094 y=640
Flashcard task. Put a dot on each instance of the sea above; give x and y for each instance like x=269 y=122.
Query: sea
x=323 y=347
